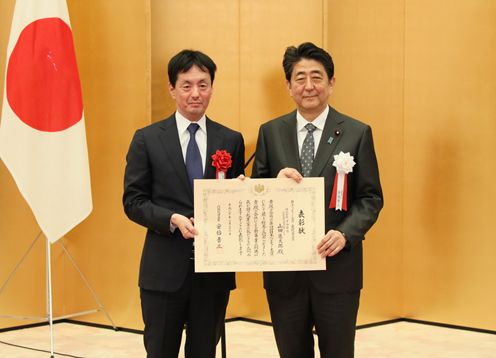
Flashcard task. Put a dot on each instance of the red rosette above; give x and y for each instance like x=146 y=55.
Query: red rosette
x=221 y=161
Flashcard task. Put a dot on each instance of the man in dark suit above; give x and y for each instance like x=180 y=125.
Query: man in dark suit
x=163 y=160
x=308 y=142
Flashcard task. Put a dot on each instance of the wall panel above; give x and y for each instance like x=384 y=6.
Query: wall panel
x=366 y=41
x=265 y=32
x=213 y=28
x=112 y=42
x=248 y=89
x=208 y=26
x=450 y=136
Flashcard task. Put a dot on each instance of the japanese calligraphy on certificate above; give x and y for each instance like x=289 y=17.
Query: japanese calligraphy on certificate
x=259 y=225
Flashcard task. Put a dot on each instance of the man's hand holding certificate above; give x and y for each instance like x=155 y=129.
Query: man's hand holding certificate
x=259 y=225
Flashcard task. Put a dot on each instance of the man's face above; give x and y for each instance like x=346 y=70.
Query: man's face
x=310 y=87
x=192 y=93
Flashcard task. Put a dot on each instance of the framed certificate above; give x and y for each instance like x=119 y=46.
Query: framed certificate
x=259 y=225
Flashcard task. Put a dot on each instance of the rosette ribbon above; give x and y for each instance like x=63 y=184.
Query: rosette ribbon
x=344 y=164
x=221 y=161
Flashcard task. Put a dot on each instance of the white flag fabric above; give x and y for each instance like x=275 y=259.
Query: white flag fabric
x=42 y=129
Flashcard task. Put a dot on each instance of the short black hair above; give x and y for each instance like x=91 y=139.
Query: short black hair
x=186 y=59
x=306 y=50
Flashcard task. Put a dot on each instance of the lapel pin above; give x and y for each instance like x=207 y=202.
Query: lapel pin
x=337 y=132
x=330 y=140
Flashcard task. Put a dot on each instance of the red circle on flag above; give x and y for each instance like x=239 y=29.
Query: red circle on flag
x=42 y=80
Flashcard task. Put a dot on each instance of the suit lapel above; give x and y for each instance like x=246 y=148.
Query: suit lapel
x=331 y=135
x=290 y=141
x=214 y=142
x=170 y=141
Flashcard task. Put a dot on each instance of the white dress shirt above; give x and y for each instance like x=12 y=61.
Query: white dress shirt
x=184 y=136
x=301 y=131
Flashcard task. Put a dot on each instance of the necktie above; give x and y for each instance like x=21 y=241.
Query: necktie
x=193 y=157
x=307 y=150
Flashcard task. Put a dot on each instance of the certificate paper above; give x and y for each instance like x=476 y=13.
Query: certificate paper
x=259 y=225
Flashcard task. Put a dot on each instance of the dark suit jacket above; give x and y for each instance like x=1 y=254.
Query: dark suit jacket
x=156 y=186
x=277 y=148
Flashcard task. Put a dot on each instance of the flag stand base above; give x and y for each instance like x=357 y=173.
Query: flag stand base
x=49 y=317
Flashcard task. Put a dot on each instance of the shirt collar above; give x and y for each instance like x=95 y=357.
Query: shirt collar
x=318 y=122
x=183 y=123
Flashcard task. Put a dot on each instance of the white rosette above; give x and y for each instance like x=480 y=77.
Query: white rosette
x=344 y=164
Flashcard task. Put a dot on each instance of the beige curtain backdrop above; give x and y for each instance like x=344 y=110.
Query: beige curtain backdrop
x=421 y=73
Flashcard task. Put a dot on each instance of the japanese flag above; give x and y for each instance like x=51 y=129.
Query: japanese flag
x=42 y=131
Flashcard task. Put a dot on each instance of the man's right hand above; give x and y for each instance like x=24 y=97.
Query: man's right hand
x=290 y=173
x=185 y=225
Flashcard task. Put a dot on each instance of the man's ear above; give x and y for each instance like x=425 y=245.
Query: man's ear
x=332 y=81
x=172 y=91
x=288 y=86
